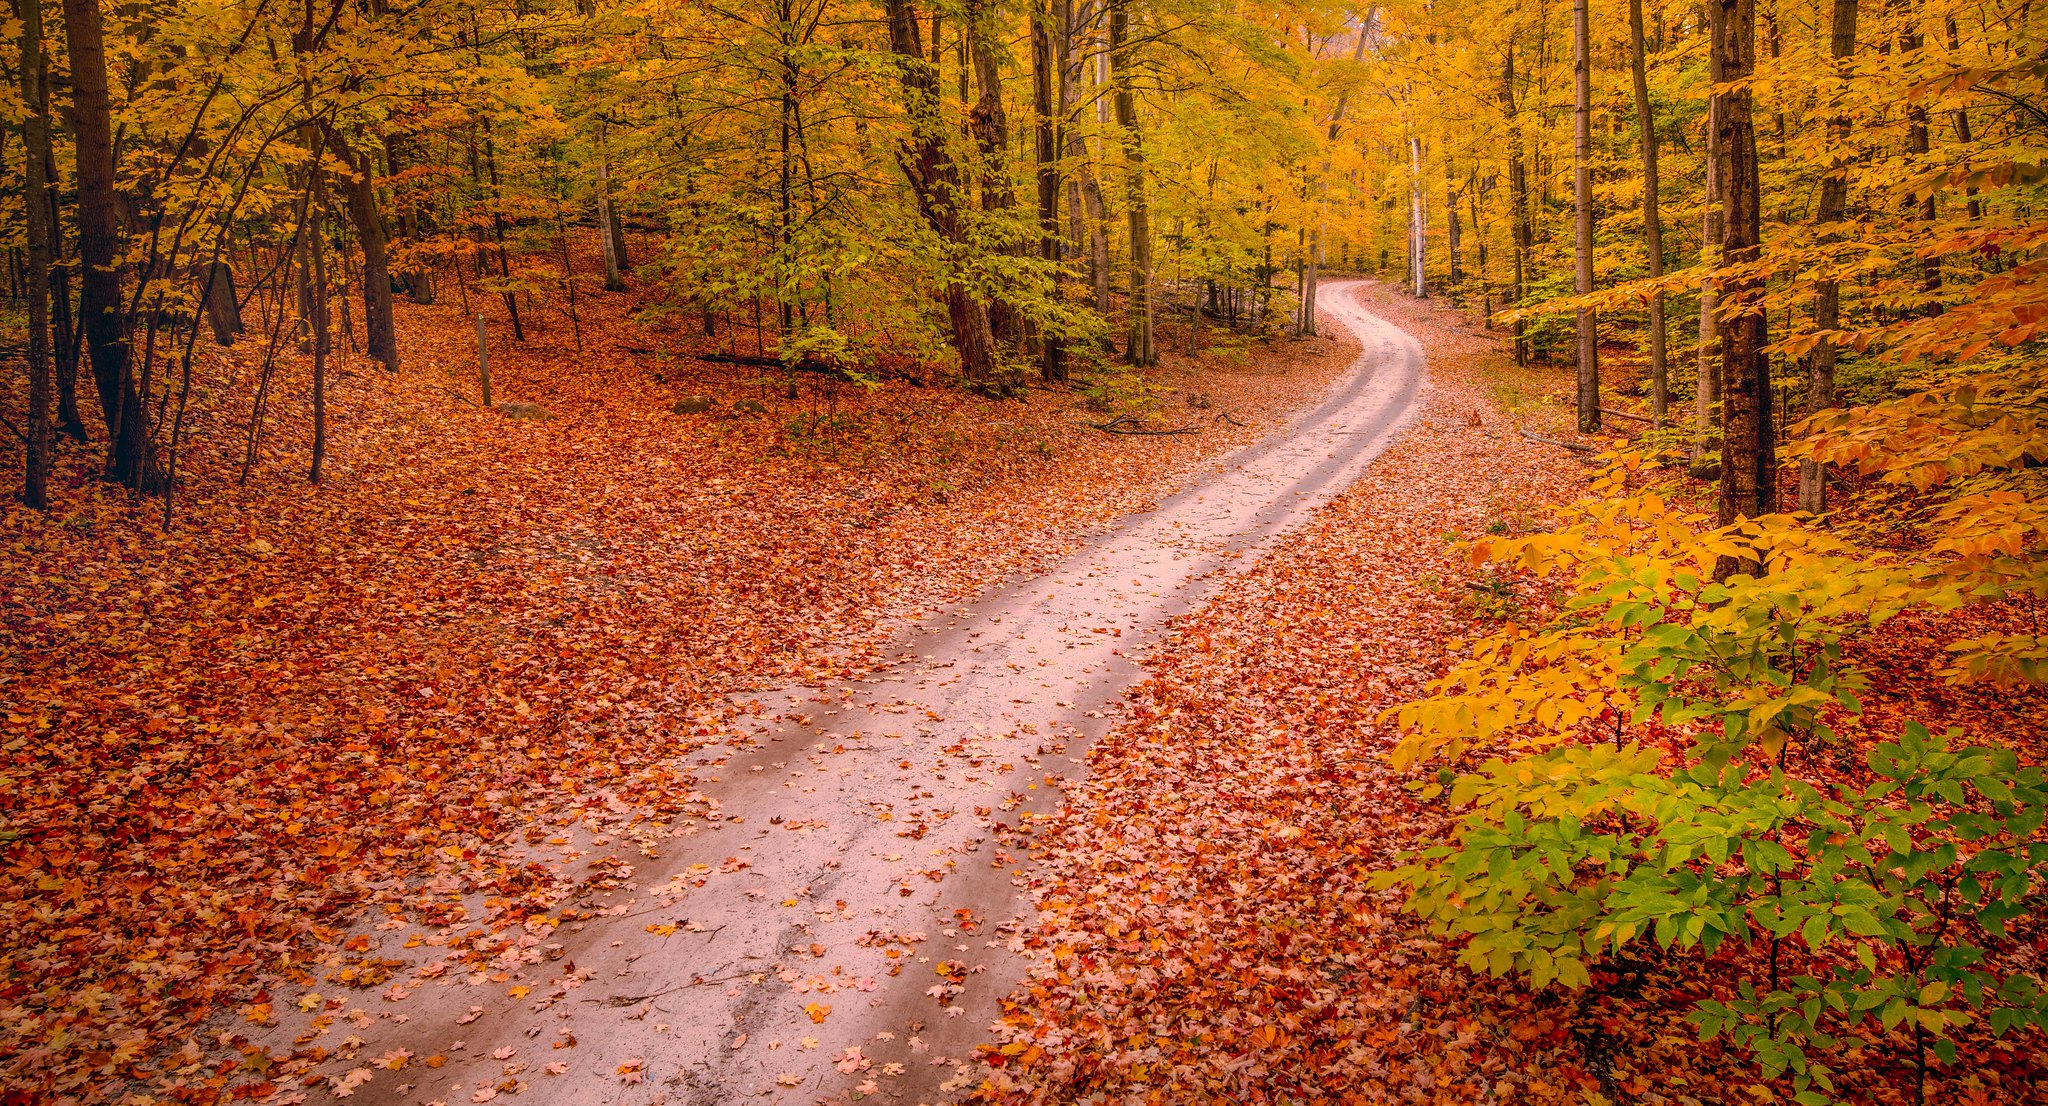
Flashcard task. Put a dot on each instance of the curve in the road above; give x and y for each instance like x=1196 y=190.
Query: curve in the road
x=857 y=892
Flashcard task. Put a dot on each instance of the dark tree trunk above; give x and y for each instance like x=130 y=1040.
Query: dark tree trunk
x=1827 y=294
x=1582 y=211
x=1653 y=224
x=35 y=136
x=223 y=310
x=380 y=328
x=1749 y=462
x=990 y=125
x=101 y=306
x=935 y=181
x=1138 y=310
x=1520 y=226
x=1051 y=351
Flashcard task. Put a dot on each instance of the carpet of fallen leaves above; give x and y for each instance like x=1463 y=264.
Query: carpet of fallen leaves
x=1208 y=932
x=221 y=743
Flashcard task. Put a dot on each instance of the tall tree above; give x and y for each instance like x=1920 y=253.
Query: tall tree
x=935 y=181
x=1827 y=291
x=1749 y=461
x=359 y=190
x=103 y=311
x=1138 y=350
x=1653 y=225
x=1044 y=60
x=1582 y=210
x=35 y=135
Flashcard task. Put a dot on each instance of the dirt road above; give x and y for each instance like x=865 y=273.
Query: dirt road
x=840 y=926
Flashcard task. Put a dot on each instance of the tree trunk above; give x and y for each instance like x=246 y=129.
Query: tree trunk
x=1138 y=311
x=1582 y=213
x=1051 y=351
x=607 y=230
x=1707 y=389
x=35 y=141
x=223 y=309
x=1749 y=463
x=1917 y=135
x=990 y=126
x=380 y=327
x=316 y=242
x=1827 y=294
x=935 y=180
x=1518 y=194
x=1418 y=236
x=1653 y=224
x=103 y=311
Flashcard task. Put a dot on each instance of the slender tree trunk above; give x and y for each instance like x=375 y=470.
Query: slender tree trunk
x=316 y=243
x=1749 y=463
x=1707 y=390
x=1582 y=211
x=101 y=304
x=35 y=141
x=607 y=231
x=1051 y=351
x=1140 y=351
x=1418 y=231
x=1917 y=136
x=498 y=232
x=935 y=180
x=1518 y=195
x=1451 y=239
x=1653 y=224
x=1827 y=293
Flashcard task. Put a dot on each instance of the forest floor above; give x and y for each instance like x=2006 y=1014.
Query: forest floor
x=297 y=707
x=1207 y=931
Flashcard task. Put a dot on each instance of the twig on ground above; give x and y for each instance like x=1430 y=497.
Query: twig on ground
x=1224 y=416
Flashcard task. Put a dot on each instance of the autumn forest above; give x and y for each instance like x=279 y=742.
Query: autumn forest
x=1024 y=552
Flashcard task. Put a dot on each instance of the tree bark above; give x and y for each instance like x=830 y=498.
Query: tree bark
x=935 y=181
x=990 y=125
x=1827 y=293
x=380 y=326
x=1051 y=350
x=223 y=309
x=1523 y=231
x=1138 y=311
x=101 y=305
x=35 y=141
x=1707 y=389
x=607 y=230
x=1749 y=463
x=1653 y=223
x=1418 y=235
x=1582 y=212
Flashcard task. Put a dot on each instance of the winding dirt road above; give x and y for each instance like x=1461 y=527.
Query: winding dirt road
x=862 y=885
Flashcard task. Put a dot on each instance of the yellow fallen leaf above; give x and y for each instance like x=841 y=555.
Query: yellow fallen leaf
x=818 y=1012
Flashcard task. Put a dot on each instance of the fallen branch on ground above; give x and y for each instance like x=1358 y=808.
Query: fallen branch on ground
x=1115 y=426
x=1573 y=446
